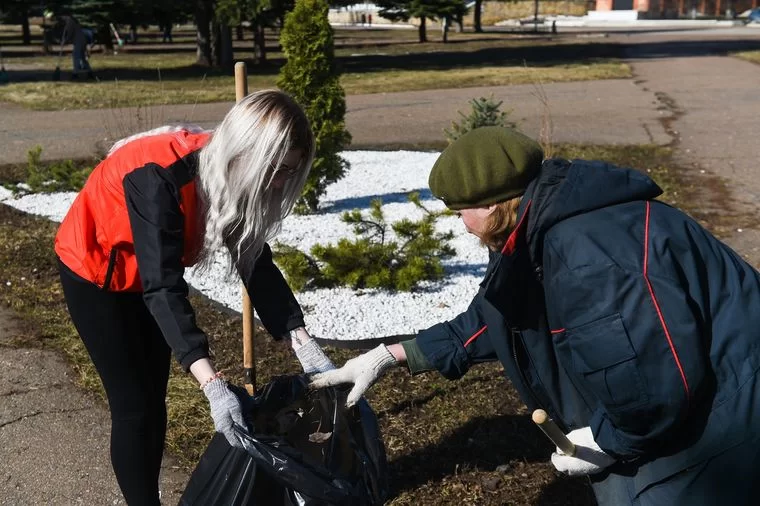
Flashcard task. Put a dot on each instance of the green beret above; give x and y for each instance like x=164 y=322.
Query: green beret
x=485 y=166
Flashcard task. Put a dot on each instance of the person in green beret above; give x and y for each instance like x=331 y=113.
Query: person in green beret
x=623 y=318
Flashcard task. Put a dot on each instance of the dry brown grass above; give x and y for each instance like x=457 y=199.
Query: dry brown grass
x=493 y=12
x=129 y=93
x=750 y=56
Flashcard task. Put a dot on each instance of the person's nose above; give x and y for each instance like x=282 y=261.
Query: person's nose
x=278 y=182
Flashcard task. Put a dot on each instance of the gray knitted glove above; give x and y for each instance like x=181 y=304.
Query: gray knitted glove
x=363 y=371
x=225 y=409
x=312 y=358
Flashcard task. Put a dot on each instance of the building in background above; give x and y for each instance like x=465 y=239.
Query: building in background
x=657 y=9
x=496 y=12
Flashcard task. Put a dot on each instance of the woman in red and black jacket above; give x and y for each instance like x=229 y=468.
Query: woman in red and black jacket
x=162 y=201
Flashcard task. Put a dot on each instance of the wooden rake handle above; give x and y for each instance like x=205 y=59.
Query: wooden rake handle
x=249 y=356
x=547 y=425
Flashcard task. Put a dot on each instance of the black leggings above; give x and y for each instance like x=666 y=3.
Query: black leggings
x=132 y=358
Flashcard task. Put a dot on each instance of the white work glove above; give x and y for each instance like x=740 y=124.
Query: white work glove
x=588 y=459
x=312 y=358
x=363 y=371
x=225 y=409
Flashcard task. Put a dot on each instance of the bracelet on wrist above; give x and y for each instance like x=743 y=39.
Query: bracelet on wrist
x=294 y=337
x=218 y=375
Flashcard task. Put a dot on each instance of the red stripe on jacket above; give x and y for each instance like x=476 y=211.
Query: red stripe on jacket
x=657 y=304
x=475 y=335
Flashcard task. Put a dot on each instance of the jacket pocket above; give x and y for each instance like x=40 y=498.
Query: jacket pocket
x=605 y=360
x=109 y=270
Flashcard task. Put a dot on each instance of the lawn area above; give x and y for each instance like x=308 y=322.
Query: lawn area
x=750 y=56
x=41 y=95
x=444 y=439
x=371 y=61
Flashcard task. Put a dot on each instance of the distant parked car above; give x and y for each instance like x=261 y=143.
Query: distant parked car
x=753 y=16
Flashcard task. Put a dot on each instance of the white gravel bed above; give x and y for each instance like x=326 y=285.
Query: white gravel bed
x=344 y=313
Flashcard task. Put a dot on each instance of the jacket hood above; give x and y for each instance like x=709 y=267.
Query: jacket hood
x=567 y=188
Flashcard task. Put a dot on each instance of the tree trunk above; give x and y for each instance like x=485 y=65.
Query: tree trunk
x=259 y=44
x=216 y=41
x=422 y=30
x=476 y=18
x=445 y=29
x=203 y=12
x=26 y=36
x=226 y=55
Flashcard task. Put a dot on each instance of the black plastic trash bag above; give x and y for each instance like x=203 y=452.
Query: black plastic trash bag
x=306 y=449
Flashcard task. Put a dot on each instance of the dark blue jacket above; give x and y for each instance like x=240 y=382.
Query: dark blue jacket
x=612 y=310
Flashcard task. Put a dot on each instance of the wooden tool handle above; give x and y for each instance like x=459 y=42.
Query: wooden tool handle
x=547 y=425
x=241 y=81
x=249 y=357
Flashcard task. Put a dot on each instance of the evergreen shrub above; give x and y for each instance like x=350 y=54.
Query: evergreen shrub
x=312 y=79
x=484 y=112
x=49 y=177
x=372 y=259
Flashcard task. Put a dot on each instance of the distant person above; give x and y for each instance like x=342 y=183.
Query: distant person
x=167 y=33
x=48 y=32
x=369 y=19
x=164 y=20
x=74 y=34
x=633 y=326
x=89 y=35
x=132 y=35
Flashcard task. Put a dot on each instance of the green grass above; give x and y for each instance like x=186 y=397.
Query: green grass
x=370 y=61
x=444 y=439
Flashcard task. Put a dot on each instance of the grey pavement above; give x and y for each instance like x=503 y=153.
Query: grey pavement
x=715 y=107
x=54 y=438
x=394 y=119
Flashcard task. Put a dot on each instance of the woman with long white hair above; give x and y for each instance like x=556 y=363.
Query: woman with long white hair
x=161 y=201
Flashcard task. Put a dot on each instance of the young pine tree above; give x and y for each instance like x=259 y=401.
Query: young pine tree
x=311 y=78
x=485 y=112
x=375 y=258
